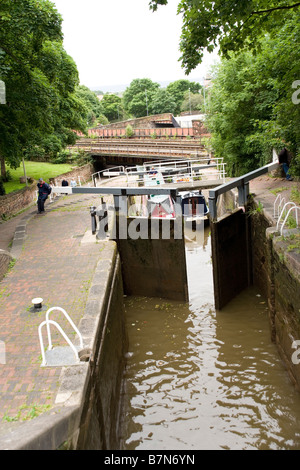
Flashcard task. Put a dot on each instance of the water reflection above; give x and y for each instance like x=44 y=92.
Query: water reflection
x=201 y=379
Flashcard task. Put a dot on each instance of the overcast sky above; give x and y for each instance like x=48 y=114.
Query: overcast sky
x=116 y=41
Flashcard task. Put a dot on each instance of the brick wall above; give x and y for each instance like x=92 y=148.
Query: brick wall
x=84 y=172
x=276 y=273
x=5 y=259
x=141 y=123
x=13 y=203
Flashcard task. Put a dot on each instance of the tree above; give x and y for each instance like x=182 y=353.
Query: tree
x=40 y=77
x=231 y=25
x=92 y=104
x=163 y=102
x=192 y=102
x=112 y=107
x=251 y=106
x=137 y=98
x=178 y=91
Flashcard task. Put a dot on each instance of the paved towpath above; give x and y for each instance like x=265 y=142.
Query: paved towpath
x=266 y=188
x=53 y=262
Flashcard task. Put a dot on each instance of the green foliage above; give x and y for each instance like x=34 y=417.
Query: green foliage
x=295 y=196
x=193 y=102
x=179 y=91
x=92 y=104
x=230 y=25
x=112 y=107
x=144 y=97
x=138 y=97
x=251 y=108
x=42 y=109
x=163 y=102
x=103 y=120
x=129 y=132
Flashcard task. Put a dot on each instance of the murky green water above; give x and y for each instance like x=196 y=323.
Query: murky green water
x=200 y=379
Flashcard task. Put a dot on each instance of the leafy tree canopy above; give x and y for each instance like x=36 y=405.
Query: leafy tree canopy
x=144 y=96
x=251 y=105
x=42 y=108
x=163 y=102
x=93 y=107
x=231 y=25
x=178 y=91
x=137 y=98
x=112 y=107
x=192 y=102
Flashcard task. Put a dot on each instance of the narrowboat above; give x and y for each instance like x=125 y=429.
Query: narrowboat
x=194 y=207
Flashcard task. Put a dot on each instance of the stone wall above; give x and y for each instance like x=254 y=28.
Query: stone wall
x=286 y=303
x=247 y=249
x=11 y=204
x=84 y=173
x=100 y=418
x=141 y=123
x=276 y=271
x=5 y=259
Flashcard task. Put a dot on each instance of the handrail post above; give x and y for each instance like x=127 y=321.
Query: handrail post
x=212 y=204
x=243 y=193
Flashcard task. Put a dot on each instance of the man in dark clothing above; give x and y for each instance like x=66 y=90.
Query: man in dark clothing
x=284 y=159
x=44 y=191
x=65 y=183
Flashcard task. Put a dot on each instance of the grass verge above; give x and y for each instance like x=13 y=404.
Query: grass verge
x=34 y=170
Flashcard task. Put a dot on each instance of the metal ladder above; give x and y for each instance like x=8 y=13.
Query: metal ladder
x=49 y=322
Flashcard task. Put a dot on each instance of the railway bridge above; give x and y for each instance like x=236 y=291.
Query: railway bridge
x=122 y=151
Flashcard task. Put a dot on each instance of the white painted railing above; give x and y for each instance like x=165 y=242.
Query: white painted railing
x=49 y=322
x=286 y=213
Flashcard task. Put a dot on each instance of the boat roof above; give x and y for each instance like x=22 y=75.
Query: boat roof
x=186 y=194
x=158 y=199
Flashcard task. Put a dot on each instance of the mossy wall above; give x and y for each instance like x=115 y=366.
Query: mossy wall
x=276 y=271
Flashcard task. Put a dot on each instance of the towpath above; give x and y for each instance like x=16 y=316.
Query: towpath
x=54 y=260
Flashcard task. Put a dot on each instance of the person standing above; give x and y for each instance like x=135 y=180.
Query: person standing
x=65 y=183
x=43 y=192
x=284 y=159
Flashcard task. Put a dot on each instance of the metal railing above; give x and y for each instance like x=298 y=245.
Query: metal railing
x=284 y=212
x=112 y=148
x=175 y=171
x=109 y=172
x=295 y=208
x=241 y=183
x=49 y=322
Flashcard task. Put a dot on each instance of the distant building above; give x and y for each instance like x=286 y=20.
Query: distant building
x=187 y=120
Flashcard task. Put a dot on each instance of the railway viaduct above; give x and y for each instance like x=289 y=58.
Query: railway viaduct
x=112 y=151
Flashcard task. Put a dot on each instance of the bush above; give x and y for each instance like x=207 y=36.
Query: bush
x=295 y=166
x=129 y=131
